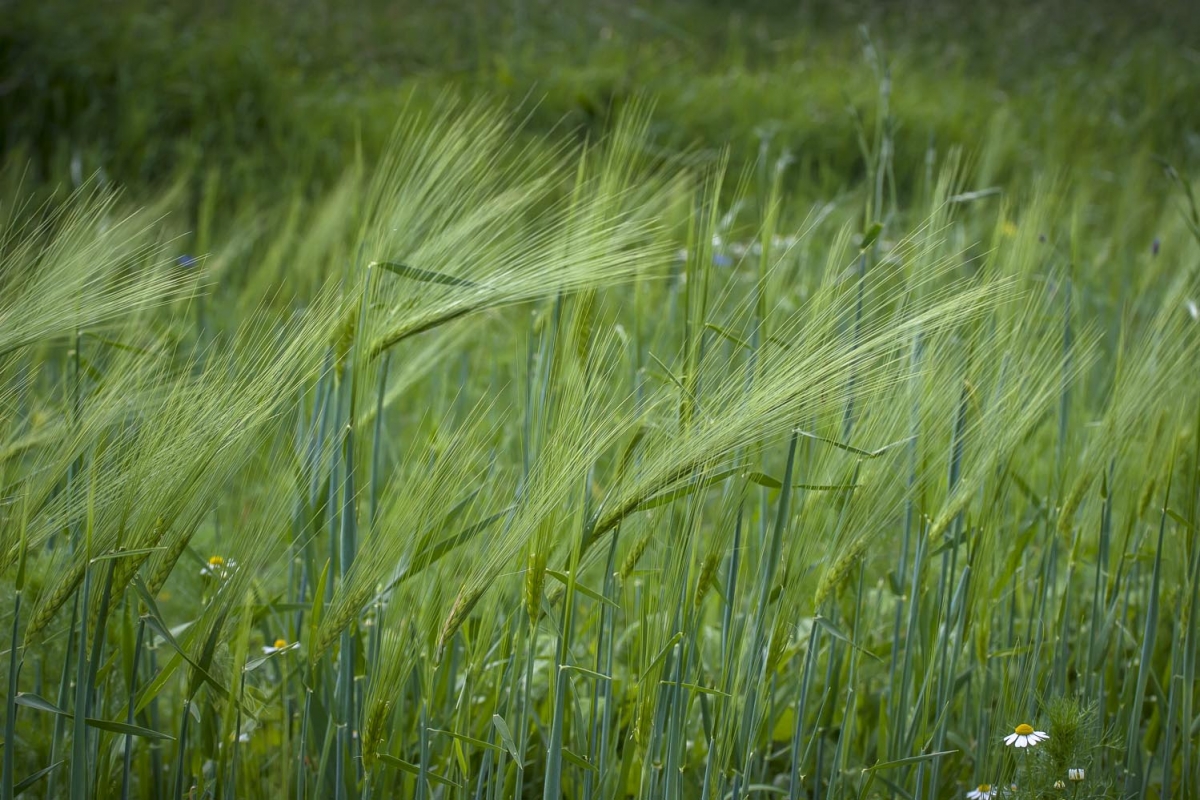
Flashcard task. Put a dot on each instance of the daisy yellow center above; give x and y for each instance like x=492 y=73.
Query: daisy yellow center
x=280 y=644
x=215 y=561
x=985 y=787
x=1024 y=730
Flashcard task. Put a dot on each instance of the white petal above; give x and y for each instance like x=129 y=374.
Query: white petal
x=1012 y=737
x=1022 y=741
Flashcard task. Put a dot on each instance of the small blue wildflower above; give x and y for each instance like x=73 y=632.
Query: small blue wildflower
x=722 y=260
x=186 y=261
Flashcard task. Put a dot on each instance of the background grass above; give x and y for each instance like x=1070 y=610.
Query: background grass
x=599 y=400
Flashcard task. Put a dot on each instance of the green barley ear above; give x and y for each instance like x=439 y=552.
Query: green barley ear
x=49 y=604
x=374 y=735
x=339 y=617
x=345 y=334
x=835 y=578
x=161 y=569
x=645 y=720
x=123 y=571
x=634 y=556
x=1066 y=516
x=1146 y=496
x=127 y=567
x=535 y=584
x=777 y=653
x=585 y=322
x=708 y=573
x=463 y=603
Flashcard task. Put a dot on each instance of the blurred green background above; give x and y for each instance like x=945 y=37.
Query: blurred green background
x=281 y=95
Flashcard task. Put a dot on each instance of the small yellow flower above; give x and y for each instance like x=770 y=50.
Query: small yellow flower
x=983 y=792
x=279 y=646
x=1025 y=736
x=218 y=567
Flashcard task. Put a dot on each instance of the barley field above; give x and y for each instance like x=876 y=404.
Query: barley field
x=521 y=399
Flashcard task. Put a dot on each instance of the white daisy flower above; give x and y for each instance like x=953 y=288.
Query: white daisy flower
x=1075 y=774
x=1058 y=784
x=982 y=792
x=279 y=646
x=1025 y=736
x=218 y=568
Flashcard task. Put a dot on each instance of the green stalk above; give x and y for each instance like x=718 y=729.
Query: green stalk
x=603 y=689
x=15 y=659
x=346 y=655
x=1099 y=583
x=909 y=510
x=848 y=416
x=158 y=780
x=10 y=713
x=1133 y=748
x=302 y=745
x=80 y=784
x=423 y=776
x=1172 y=715
x=847 y=731
x=810 y=661
x=181 y=760
x=285 y=772
x=946 y=677
x=1187 y=780
x=1068 y=370
x=952 y=628
x=523 y=724
x=377 y=434
x=676 y=703
x=231 y=786
x=552 y=788
x=910 y=633
x=327 y=745
x=731 y=582
x=766 y=584
x=97 y=653
x=62 y=699
x=127 y=759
